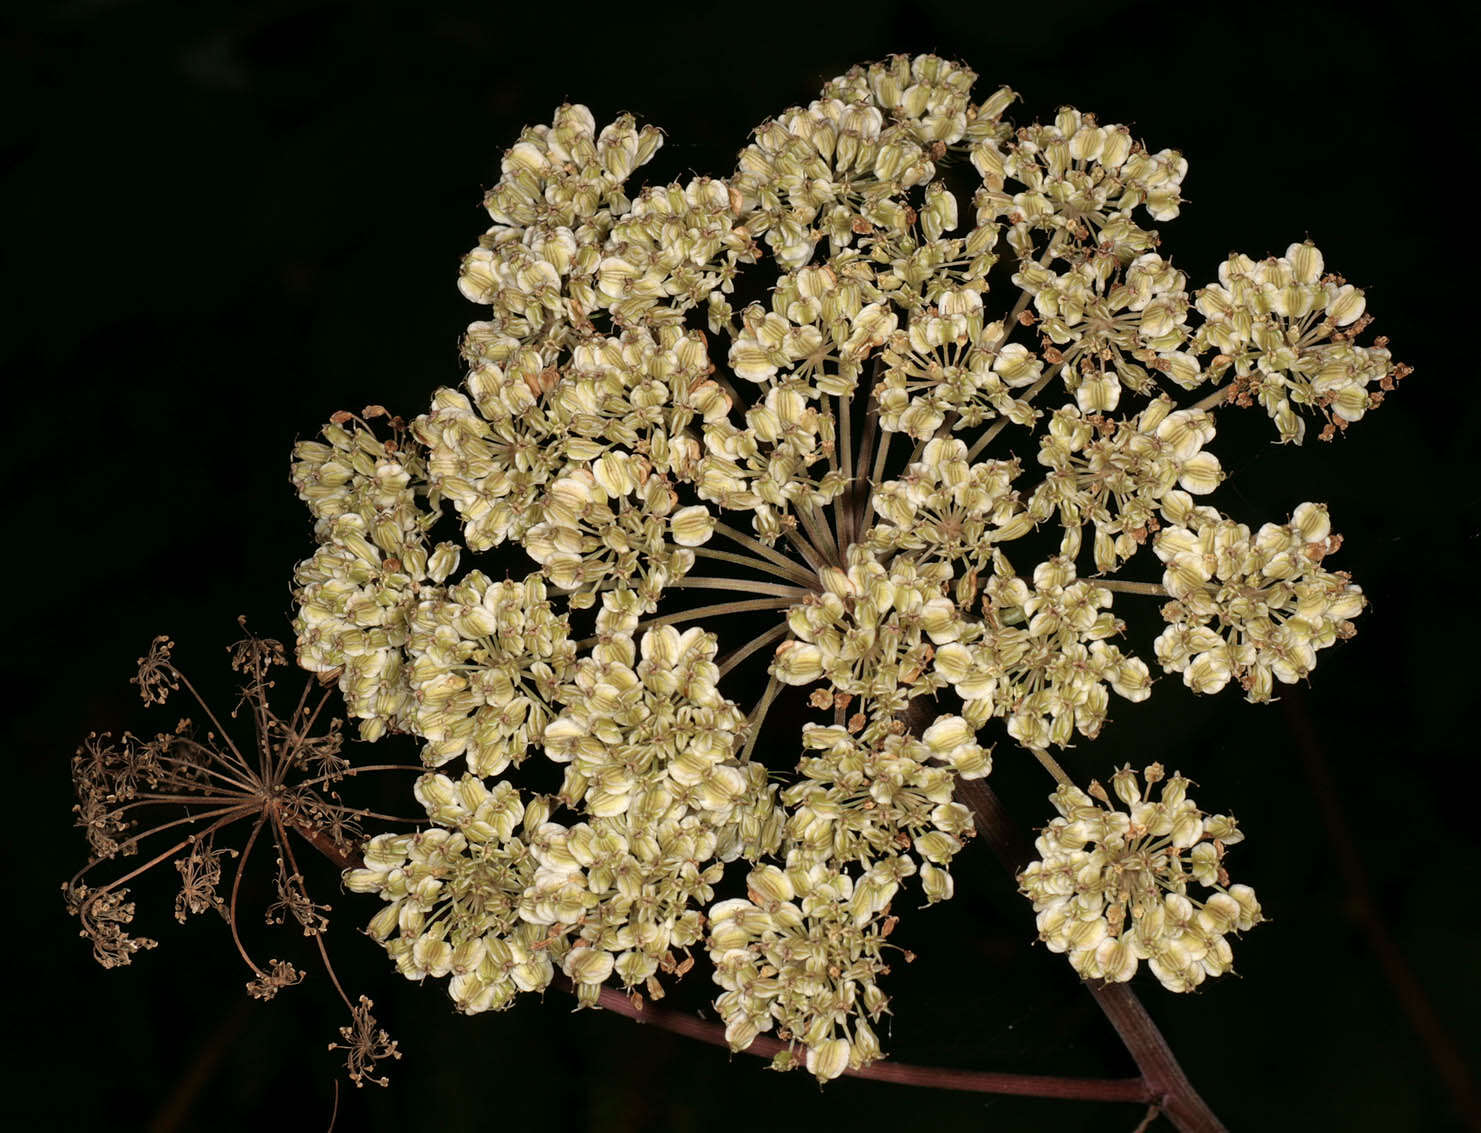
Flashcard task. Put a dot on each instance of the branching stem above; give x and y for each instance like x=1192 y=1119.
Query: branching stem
x=1150 y=589
x=794 y=573
x=741 y=586
x=757 y=546
x=715 y=610
x=817 y=530
x=880 y=456
x=806 y=550
x=757 y=715
x=1051 y=765
x=1001 y=423
x=1219 y=397
x=930 y=1077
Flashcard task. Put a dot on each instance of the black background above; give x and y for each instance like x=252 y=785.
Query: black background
x=225 y=222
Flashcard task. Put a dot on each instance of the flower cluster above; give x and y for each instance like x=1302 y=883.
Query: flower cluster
x=963 y=335
x=1114 y=474
x=1083 y=182
x=1039 y=656
x=1111 y=887
x=671 y=251
x=1253 y=608
x=950 y=364
x=356 y=593
x=868 y=797
x=801 y=956
x=485 y=659
x=453 y=892
x=945 y=508
x=656 y=723
x=553 y=209
x=496 y=892
x=1114 y=327
x=802 y=953
x=1286 y=330
x=868 y=631
x=840 y=168
x=549 y=395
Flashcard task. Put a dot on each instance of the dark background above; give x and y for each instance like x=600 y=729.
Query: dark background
x=225 y=222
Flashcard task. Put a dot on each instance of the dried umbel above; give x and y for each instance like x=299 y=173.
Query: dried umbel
x=912 y=388
x=176 y=796
x=365 y=1045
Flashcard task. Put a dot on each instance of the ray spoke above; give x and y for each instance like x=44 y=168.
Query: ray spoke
x=761 y=549
x=740 y=586
x=1002 y=423
x=757 y=716
x=796 y=574
x=817 y=530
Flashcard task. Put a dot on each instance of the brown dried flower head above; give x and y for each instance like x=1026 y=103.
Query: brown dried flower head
x=176 y=795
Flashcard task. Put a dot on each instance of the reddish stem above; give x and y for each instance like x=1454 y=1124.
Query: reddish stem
x=326 y=846
x=1170 y=1088
x=932 y=1077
